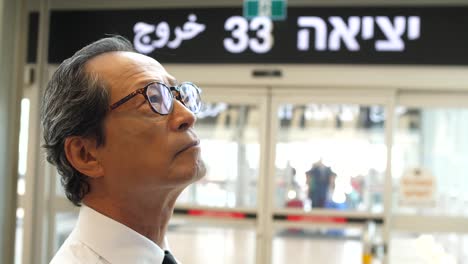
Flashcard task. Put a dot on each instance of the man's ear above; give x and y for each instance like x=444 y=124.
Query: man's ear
x=83 y=156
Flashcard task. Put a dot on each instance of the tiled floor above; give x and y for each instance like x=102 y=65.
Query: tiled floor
x=213 y=245
x=196 y=244
x=204 y=244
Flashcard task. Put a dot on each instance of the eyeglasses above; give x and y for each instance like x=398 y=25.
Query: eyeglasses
x=161 y=97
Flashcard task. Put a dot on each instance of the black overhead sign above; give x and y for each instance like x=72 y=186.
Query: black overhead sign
x=353 y=35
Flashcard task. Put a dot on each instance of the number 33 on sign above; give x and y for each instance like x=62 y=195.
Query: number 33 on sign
x=239 y=41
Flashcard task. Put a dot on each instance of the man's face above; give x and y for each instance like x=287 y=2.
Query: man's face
x=144 y=151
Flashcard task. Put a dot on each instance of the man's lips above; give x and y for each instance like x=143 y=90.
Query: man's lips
x=194 y=143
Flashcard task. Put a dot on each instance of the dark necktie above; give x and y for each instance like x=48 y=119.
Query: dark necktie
x=168 y=258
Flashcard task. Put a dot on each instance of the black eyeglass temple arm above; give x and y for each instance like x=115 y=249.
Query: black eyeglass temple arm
x=126 y=98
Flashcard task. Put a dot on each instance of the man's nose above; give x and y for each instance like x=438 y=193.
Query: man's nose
x=181 y=117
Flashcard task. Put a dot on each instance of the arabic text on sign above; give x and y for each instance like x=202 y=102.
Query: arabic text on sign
x=145 y=44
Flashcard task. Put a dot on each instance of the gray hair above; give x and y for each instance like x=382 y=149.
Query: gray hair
x=75 y=103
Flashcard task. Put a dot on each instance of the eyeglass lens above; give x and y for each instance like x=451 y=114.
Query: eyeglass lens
x=160 y=97
x=190 y=97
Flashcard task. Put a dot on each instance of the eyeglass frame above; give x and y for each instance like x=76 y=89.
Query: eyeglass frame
x=143 y=91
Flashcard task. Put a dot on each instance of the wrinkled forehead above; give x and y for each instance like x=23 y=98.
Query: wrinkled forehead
x=125 y=72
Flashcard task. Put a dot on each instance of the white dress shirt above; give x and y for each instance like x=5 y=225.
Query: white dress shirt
x=98 y=239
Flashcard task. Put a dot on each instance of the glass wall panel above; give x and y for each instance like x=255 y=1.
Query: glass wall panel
x=321 y=245
x=59 y=190
x=64 y=224
x=230 y=146
x=21 y=185
x=203 y=243
x=431 y=145
x=414 y=248
x=19 y=237
x=330 y=156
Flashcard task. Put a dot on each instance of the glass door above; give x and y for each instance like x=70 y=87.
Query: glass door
x=429 y=178
x=328 y=165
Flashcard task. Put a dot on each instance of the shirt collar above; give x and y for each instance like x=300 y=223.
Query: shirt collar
x=113 y=241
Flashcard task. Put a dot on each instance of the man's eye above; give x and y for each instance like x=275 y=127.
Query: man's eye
x=154 y=98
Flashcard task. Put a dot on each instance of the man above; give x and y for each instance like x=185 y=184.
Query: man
x=320 y=179
x=119 y=129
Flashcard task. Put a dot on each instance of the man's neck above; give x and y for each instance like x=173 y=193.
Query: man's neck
x=148 y=218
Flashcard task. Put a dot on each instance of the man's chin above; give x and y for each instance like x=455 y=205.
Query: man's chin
x=191 y=174
x=201 y=170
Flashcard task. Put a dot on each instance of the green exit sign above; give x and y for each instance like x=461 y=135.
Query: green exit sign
x=275 y=9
